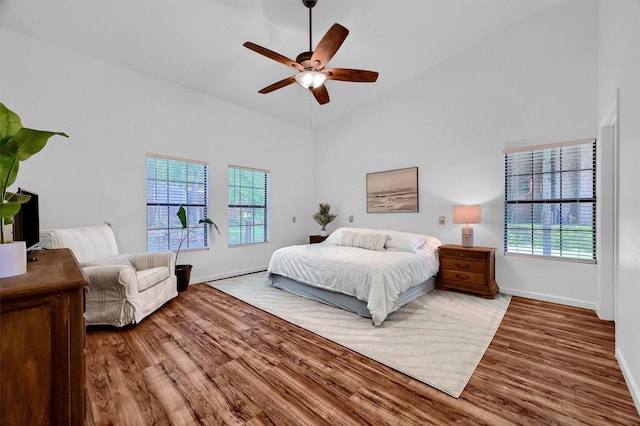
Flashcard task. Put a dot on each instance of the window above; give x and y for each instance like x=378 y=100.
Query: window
x=550 y=201
x=171 y=183
x=248 y=203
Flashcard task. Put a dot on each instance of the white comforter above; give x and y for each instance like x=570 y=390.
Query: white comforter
x=376 y=277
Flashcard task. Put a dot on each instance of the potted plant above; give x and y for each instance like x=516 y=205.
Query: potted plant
x=324 y=217
x=183 y=272
x=17 y=144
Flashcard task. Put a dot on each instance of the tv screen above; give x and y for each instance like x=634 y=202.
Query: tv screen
x=26 y=224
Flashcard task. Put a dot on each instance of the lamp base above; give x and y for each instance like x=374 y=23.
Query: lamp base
x=467 y=236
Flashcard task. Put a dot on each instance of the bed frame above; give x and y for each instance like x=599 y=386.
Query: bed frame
x=343 y=301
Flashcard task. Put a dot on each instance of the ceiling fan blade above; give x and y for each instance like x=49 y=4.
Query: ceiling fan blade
x=346 y=74
x=273 y=55
x=278 y=85
x=321 y=94
x=328 y=46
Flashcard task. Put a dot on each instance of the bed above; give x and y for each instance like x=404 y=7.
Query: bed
x=370 y=272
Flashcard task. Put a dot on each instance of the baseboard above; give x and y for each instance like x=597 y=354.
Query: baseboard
x=634 y=387
x=206 y=278
x=550 y=298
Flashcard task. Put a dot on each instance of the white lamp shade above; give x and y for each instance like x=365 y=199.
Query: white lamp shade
x=310 y=79
x=466 y=214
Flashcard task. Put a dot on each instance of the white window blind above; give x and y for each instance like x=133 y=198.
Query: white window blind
x=248 y=205
x=171 y=183
x=550 y=201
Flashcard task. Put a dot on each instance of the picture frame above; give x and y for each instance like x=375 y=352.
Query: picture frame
x=393 y=191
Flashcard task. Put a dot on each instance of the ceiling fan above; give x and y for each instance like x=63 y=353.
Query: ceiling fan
x=311 y=64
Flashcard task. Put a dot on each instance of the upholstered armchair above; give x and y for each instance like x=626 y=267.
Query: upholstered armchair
x=123 y=289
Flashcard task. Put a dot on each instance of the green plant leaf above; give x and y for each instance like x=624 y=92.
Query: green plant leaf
x=9 y=123
x=182 y=215
x=8 y=211
x=27 y=142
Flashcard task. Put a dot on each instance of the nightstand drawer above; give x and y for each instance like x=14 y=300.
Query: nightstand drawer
x=462 y=265
x=463 y=276
x=447 y=253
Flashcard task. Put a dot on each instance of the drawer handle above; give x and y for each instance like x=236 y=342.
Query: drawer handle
x=462 y=276
x=462 y=265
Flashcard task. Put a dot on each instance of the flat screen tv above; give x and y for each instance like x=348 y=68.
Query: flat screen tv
x=26 y=224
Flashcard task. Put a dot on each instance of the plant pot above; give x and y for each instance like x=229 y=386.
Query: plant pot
x=13 y=259
x=323 y=233
x=183 y=275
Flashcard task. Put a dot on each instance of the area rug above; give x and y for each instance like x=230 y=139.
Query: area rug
x=438 y=339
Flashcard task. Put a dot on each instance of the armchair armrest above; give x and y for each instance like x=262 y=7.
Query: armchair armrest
x=144 y=261
x=110 y=277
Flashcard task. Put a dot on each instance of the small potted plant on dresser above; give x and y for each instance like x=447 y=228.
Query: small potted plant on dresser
x=183 y=272
x=16 y=144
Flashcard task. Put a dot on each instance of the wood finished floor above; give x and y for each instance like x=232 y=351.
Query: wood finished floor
x=207 y=358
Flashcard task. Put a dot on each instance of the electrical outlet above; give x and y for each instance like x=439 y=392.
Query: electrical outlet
x=441 y=220
x=350 y=218
x=293 y=219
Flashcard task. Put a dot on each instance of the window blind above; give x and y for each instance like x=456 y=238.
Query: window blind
x=248 y=205
x=171 y=183
x=550 y=201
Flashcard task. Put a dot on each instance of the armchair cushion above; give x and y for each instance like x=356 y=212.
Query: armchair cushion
x=87 y=243
x=106 y=261
x=150 y=277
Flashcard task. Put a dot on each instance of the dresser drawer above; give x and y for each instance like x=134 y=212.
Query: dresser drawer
x=469 y=277
x=463 y=265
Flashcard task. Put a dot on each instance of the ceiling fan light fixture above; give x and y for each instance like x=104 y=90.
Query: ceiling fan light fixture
x=310 y=79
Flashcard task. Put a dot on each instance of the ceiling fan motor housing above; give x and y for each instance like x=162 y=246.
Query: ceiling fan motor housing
x=304 y=59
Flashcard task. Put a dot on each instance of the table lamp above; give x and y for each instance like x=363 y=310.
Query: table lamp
x=466 y=215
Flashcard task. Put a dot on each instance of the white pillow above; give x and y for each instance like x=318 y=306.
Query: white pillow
x=336 y=236
x=404 y=241
x=366 y=240
x=432 y=243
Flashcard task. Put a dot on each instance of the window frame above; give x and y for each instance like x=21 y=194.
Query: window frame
x=170 y=229
x=582 y=236
x=257 y=229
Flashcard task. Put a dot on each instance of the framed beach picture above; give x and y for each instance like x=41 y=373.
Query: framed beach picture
x=393 y=191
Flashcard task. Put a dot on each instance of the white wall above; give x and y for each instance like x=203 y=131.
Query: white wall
x=533 y=83
x=114 y=117
x=619 y=68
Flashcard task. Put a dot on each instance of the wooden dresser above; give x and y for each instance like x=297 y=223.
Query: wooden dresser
x=468 y=269
x=42 y=343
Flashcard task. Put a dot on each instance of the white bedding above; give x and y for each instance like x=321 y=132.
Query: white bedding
x=376 y=277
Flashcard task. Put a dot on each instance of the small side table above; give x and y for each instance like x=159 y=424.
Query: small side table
x=470 y=269
x=314 y=239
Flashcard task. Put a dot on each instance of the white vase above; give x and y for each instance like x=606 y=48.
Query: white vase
x=13 y=259
x=323 y=233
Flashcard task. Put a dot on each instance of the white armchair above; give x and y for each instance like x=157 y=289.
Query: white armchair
x=123 y=289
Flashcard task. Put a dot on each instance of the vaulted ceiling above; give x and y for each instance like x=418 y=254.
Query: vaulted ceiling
x=197 y=44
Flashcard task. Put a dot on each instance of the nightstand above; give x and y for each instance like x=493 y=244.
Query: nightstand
x=470 y=269
x=314 y=239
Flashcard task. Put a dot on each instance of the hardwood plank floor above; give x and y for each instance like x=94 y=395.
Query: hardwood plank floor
x=207 y=358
